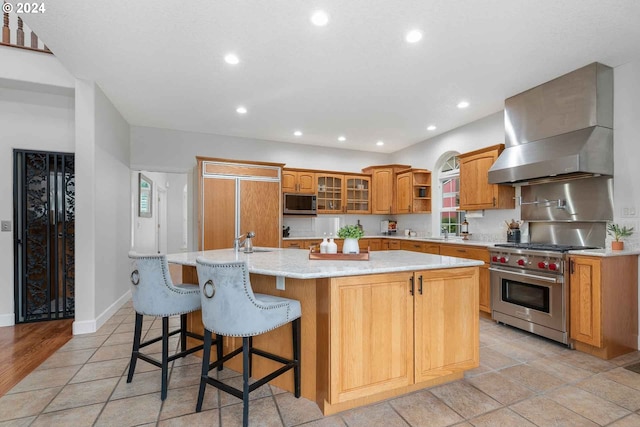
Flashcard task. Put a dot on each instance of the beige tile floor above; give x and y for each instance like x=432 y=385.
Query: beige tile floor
x=523 y=380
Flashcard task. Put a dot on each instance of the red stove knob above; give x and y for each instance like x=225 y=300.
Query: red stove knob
x=521 y=261
x=553 y=266
x=494 y=259
x=542 y=264
x=504 y=259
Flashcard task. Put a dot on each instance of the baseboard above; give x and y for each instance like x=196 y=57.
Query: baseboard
x=8 y=319
x=91 y=326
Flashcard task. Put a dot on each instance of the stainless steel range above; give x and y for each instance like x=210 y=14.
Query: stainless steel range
x=559 y=145
x=528 y=287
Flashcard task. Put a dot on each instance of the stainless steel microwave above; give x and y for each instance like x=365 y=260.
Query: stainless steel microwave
x=299 y=204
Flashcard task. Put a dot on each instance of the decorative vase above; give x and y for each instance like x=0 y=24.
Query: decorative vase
x=350 y=246
x=617 y=246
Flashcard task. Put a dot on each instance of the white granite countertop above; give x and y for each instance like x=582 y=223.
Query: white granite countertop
x=452 y=240
x=606 y=252
x=295 y=263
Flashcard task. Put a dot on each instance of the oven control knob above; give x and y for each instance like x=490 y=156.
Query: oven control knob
x=522 y=261
x=553 y=266
x=542 y=264
x=504 y=259
x=494 y=259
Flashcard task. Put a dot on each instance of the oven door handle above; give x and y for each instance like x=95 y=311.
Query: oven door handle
x=530 y=276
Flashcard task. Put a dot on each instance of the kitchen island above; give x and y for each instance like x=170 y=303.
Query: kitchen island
x=371 y=330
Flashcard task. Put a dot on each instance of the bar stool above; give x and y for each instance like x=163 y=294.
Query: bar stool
x=230 y=308
x=154 y=294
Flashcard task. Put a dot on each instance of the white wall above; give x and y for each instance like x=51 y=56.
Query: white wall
x=34 y=121
x=38 y=71
x=166 y=150
x=103 y=198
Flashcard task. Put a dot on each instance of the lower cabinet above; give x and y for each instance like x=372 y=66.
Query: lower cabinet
x=603 y=304
x=481 y=254
x=392 y=331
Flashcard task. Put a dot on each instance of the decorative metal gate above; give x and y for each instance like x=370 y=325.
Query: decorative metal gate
x=44 y=218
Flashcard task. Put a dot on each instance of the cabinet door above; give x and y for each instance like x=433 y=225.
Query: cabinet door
x=330 y=193
x=585 y=301
x=475 y=190
x=371 y=336
x=260 y=212
x=394 y=244
x=289 y=181
x=358 y=193
x=382 y=197
x=484 y=291
x=404 y=188
x=306 y=182
x=446 y=331
x=218 y=213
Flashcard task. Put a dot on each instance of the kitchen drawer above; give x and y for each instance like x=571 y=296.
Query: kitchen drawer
x=394 y=244
x=463 y=251
x=293 y=244
x=411 y=246
x=431 y=248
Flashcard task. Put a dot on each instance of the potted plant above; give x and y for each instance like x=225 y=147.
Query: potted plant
x=618 y=232
x=350 y=234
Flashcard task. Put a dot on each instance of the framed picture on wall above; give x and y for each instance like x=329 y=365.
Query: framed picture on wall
x=145 y=196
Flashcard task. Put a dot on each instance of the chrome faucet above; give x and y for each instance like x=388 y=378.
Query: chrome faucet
x=445 y=232
x=247 y=242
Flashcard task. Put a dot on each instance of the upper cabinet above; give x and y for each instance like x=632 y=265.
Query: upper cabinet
x=358 y=192
x=298 y=181
x=330 y=192
x=413 y=191
x=338 y=193
x=475 y=190
x=383 y=186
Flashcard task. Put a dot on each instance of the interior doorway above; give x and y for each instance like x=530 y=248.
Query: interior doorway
x=44 y=235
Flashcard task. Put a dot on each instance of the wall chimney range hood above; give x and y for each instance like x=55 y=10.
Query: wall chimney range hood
x=562 y=129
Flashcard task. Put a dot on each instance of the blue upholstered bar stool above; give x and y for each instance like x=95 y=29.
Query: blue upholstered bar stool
x=154 y=294
x=230 y=308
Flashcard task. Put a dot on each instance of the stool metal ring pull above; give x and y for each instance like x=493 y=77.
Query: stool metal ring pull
x=208 y=289
x=135 y=277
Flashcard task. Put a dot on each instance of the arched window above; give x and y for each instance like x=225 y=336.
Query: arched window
x=449 y=177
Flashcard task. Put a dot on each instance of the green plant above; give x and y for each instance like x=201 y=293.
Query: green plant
x=350 y=232
x=617 y=232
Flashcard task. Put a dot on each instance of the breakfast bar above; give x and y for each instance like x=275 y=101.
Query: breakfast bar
x=398 y=322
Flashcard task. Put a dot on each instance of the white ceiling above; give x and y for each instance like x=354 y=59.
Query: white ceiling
x=161 y=62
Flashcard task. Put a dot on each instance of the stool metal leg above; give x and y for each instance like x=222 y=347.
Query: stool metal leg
x=165 y=356
x=136 y=346
x=250 y=356
x=183 y=332
x=245 y=380
x=219 y=350
x=295 y=327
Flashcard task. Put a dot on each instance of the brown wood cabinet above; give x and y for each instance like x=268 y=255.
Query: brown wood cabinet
x=383 y=187
x=426 y=247
x=446 y=330
x=298 y=181
x=219 y=211
x=391 y=331
x=484 y=282
x=603 y=304
x=358 y=194
x=475 y=190
x=413 y=191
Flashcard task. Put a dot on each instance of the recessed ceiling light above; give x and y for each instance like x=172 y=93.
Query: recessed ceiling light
x=241 y=110
x=297 y=133
x=320 y=18
x=231 y=58
x=342 y=138
x=379 y=143
x=413 y=36
x=432 y=127
x=463 y=104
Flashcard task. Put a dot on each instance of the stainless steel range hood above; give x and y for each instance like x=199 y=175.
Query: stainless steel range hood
x=561 y=129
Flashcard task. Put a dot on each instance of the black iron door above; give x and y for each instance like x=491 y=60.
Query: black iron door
x=44 y=218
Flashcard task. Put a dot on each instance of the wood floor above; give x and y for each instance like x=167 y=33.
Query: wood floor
x=24 y=347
